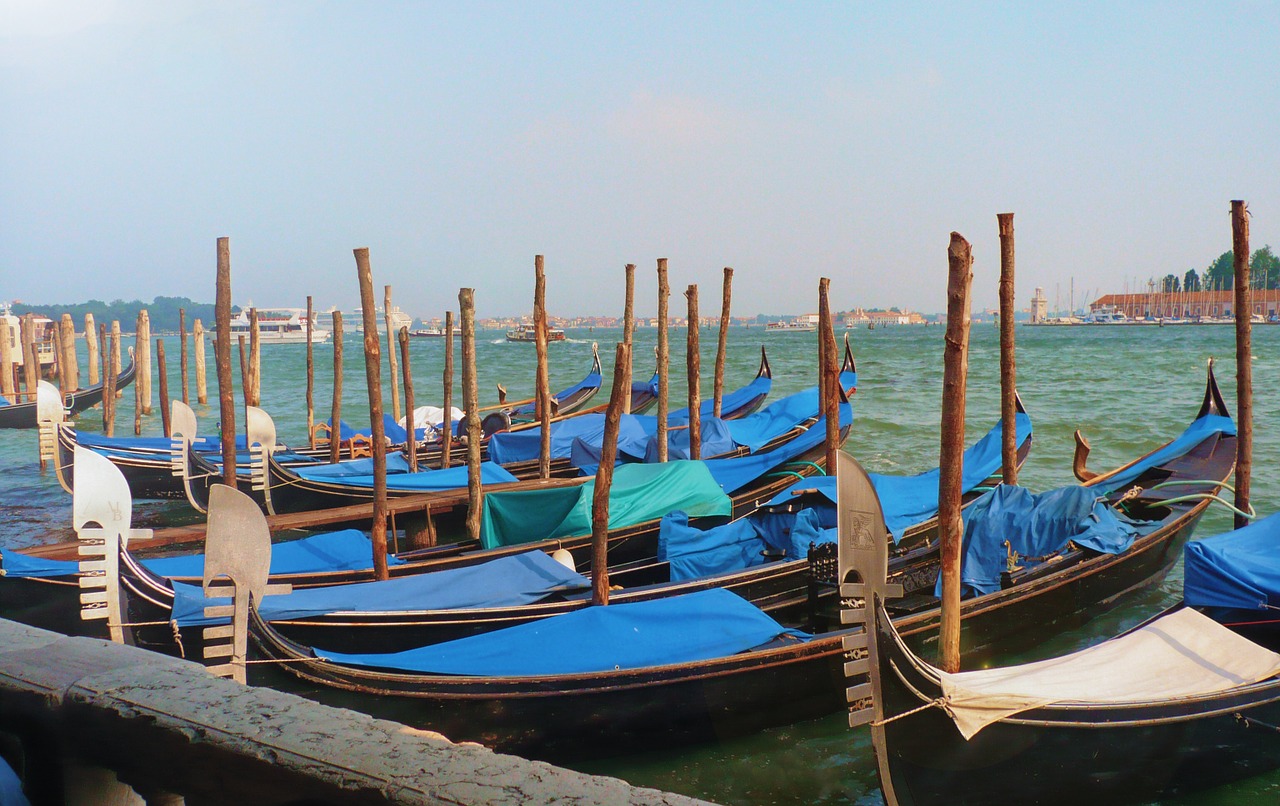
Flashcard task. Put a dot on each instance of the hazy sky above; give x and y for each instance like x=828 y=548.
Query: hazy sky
x=788 y=140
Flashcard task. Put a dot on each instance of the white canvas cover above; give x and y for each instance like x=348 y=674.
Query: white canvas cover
x=1182 y=654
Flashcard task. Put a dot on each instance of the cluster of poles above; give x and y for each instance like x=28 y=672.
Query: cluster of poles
x=955 y=371
x=619 y=400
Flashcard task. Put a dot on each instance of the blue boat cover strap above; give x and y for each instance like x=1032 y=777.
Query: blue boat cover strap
x=1035 y=525
x=639 y=493
x=14 y=563
x=909 y=500
x=505 y=582
x=658 y=632
x=1238 y=569
x=1197 y=432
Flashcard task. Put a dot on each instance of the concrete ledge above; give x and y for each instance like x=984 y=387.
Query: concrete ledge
x=166 y=724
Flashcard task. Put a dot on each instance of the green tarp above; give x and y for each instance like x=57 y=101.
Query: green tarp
x=640 y=493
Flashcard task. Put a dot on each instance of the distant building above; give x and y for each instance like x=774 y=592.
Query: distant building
x=1039 y=307
x=1186 y=304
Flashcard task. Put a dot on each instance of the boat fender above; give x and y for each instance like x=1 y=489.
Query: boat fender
x=563 y=557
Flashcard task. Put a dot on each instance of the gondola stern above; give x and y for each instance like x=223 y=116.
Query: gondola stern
x=1213 y=402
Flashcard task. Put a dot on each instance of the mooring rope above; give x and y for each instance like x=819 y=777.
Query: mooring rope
x=940 y=702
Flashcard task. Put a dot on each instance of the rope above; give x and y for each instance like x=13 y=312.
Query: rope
x=940 y=702
x=285 y=660
x=1249 y=723
x=1250 y=515
x=141 y=624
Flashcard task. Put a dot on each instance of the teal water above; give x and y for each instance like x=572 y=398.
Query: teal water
x=1127 y=388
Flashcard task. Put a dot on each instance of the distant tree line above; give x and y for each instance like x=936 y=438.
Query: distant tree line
x=162 y=310
x=1264 y=273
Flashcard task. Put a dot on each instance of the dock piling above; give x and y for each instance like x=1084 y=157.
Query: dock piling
x=722 y=346
x=335 y=412
x=604 y=477
x=391 y=354
x=408 y=400
x=693 y=368
x=311 y=375
x=446 y=424
x=664 y=293
x=1008 y=355
x=183 y=355
x=373 y=376
x=222 y=359
x=542 y=386
x=91 y=345
x=1244 y=364
x=629 y=328
x=829 y=373
x=202 y=381
x=471 y=402
x=164 y=388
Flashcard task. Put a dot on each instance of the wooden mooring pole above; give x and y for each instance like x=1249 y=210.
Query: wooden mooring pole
x=115 y=355
x=604 y=478
x=629 y=328
x=164 y=389
x=373 y=376
x=664 y=293
x=955 y=370
x=408 y=400
x=335 y=411
x=255 y=359
x=311 y=375
x=1244 y=355
x=246 y=383
x=7 y=364
x=30 y=356
x=471 y=402
x=446 y=424
x=222 y=360
x=183 y=355
x=91 y=344
x=202 y=381
x=1008 y=355
x=111 y=373
x=391 y=354
x=829 y=374
x=143 y=357
x=142 y=363
x=60 y=356
x=542 y=387
x=693 y=368
x=722 y=346
x=69 y=351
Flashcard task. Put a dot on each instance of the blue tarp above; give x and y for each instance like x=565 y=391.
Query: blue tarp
x=526 y=444
x=694 y=553
x=11 y=793
x=505 y=582
x=347 y=550
x=758 y=429
x=731 y=401
x=1238 y=569
x=1035 y=525
x=392 y=429
x=678 y=629
x=149 y=444
x=452 y=478
x=735 y=473
x=633 y=440
x=717 y=439
x=341 y=471
x=908 y=500
x=1196 y=433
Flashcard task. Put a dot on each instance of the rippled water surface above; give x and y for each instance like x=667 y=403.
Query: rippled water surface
x=1127 y=388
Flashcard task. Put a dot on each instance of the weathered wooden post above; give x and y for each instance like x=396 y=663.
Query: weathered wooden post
x=222 y=358
x=69 y=349
x=7 y=387
x=829 y=373
x=408 y=400
x=104 y=353
x=1008 y=356
x=604 y=477
x=664 y=292
x=722 y=347
x=311 y=375
x=143 y=357
x=629 y=328
x=202 y=381
x=391 y=354
x=954 y=380
x=91 y=344
x=255 y=359
x=335 y=412
x=1244 y=353
x=116 y=348
x=142 y=364
x=246 y=383
x=471 y=402
x=164 y=389
x=111 y=373
x=693 y=366
x=373 y=377
x=446 y=425
x=182 y=354
x=542 y=386
x=60 y=354
x=30 y=356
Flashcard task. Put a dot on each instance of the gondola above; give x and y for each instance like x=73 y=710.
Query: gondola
x=148 y=462
x=1187 y=701
x=301 y=489
x=762 y=557
x=23 y=415
x=786 y=676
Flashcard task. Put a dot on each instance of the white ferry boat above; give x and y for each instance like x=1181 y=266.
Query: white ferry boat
x=278 y=326
x=790 y=327
x=530 y=333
